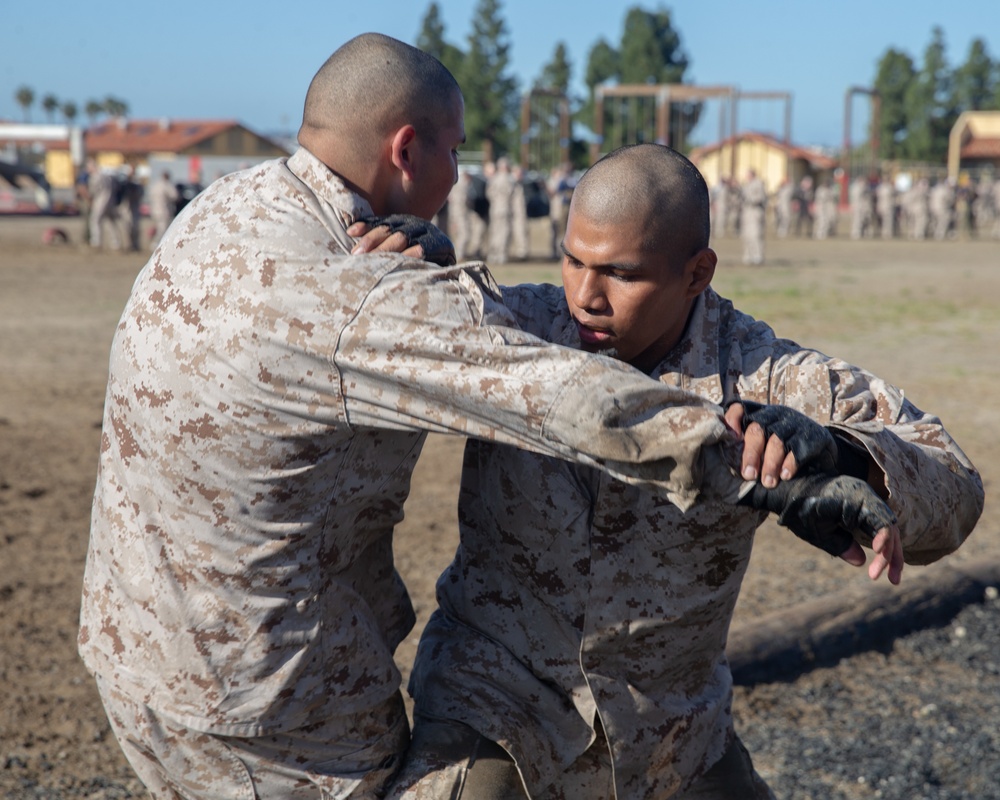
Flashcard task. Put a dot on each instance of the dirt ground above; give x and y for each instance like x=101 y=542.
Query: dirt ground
x=924 y=315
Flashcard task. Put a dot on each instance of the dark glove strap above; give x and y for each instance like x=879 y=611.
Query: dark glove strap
x=852 y=458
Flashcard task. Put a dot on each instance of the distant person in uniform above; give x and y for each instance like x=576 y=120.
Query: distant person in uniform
x=500 y=192
x=720 y=208
x=941 y=203
x=163 y=196
x=825 y=225
x=804 y=196
x=560 y=189
x=103 y=208
x=918 y=209
x=885 y=207
x=519 y=232
x=753 y=204
x=129 y=194
x=783 y=208
x=861 y=209
x=983 y=208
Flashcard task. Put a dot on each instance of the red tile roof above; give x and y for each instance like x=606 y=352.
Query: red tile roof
x=815 y=158
x=146 y=136
x=981 y=148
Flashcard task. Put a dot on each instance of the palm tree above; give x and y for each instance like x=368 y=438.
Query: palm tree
x=69 y=111
x=116 y=108
x=25 y=97
x=93 y=110
x=51 y=104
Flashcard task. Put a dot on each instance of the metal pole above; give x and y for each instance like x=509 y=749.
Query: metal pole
x=595 y=146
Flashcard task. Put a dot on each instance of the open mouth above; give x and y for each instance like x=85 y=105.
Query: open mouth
x=589 y=335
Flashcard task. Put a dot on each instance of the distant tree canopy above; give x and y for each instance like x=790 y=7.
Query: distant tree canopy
x=649 y=52
x=25 y=97
x=921 y=104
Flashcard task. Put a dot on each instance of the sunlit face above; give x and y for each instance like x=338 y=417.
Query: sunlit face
x=624 y=298
x=436 y=163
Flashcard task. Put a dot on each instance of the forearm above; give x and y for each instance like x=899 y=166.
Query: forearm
x=928 y=482
x=465 y=370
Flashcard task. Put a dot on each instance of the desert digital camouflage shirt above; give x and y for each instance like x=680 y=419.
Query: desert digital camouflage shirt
x=574 y=597
x=268 y=396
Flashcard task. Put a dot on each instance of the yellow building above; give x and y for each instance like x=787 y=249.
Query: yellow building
x=134 y=142
x=974 y=142
x=770 y=158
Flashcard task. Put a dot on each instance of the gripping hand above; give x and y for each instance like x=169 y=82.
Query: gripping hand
x=437 y=247
x=813 y=446
x=824 y=510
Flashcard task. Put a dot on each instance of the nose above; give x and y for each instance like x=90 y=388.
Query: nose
x=589 y=294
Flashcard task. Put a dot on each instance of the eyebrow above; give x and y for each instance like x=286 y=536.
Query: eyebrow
x=618 y=266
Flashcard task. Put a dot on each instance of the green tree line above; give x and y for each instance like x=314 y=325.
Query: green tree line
x=920 y=104
x=650 y=51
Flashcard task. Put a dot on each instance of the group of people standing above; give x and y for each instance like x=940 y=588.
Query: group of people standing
x=111 y=202
x=939 y=209
x=486 y=215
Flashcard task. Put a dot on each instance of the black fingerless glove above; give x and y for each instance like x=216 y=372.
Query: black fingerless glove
x=813 y=445
x=824 y=510
x=437 y=247
x=816 y=448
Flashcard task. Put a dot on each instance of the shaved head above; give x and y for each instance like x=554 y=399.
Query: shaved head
x=370 y=86
x=655 y=186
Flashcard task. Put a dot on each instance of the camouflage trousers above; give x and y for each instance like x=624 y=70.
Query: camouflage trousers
x=450 y=761
x=354 y=757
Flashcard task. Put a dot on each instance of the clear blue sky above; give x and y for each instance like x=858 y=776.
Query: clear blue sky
x=252 y=61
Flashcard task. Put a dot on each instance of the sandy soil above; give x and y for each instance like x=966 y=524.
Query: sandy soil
x=923 y=315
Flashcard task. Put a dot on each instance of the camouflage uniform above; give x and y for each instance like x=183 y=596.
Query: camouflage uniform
x=783 y=208
x=163 y=196
x=577 y=604
x=268 y=397
x=753 y=202
x=885 y=208
x=103 y=209
x=500 y=191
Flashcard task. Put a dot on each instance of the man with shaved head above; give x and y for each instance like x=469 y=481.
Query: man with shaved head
x=578 y=651
x=269 y=392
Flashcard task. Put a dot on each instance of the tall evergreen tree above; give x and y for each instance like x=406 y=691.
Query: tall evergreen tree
x=929 y=110
x=651 y=49
x=557 y=73
x=491 y=99
x=974 y=87
x=431 y=40
x=894 y=75
x=650 y=52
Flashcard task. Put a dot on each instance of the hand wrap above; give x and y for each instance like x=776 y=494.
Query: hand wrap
x=824 y=510
x=437 y=247
x=815 y=447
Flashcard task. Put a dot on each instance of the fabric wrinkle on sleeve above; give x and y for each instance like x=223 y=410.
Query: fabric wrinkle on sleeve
x=934 y=490
x=433 y=349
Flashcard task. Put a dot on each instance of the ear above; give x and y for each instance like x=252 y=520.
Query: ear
x=700 y=270
x=402 y=150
